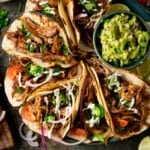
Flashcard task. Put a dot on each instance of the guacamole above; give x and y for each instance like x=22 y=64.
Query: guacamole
x=123 y=41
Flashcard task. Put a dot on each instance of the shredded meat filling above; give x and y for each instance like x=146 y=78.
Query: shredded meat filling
x=86 y=24
x=132 y=112
x=45 y=39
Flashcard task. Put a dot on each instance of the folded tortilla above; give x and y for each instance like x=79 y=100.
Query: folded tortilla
x=53 y=107
x=84 y=15
x=91 y=122
x=40 y=39
x=55 y=9
x=126 y=99
x=23 y=77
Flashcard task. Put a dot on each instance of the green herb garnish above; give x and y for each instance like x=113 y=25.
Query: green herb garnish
x=89 y=6
x=4 y=20
x=98 y=111
x=63 y=99
x=33 y=69
x=121 y=128
x=30 y=47
x=49 y=118
x=42 y=47
x=98 y=137
x=20 y=6
x=57 y=69
x=64 y=49
x=19 y=90
x=25 y=31
x=127 y=104
x=46 y=9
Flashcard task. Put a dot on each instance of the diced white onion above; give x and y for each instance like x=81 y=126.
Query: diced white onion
x=2 y=115
x=43 y=2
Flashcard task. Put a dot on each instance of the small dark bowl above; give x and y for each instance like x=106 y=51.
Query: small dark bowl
x=98 y=46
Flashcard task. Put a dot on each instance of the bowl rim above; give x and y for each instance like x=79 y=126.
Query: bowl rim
x=140 y=60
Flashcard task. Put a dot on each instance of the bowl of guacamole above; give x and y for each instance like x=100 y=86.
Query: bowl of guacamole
x=121 y=39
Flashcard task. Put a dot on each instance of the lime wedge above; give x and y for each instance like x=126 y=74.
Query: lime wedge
x=117 y=6
x=144 y=144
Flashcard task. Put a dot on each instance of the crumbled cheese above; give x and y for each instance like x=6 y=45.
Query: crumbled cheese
x=43 y=2
x=116 y=83
x=91 y=106
x=100 y=4
x=92 y=121
x=122 y=101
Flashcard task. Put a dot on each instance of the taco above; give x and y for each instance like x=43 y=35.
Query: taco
x=91 y=121
x=53 y=107
x=47 y=7
x=40 y=39
x=50 y=8
x=23 y=77
x=126 y=99
x=84 y=14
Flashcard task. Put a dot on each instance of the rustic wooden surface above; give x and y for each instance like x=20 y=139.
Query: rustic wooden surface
x=14 y=119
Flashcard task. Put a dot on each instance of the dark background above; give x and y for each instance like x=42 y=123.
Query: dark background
x=14 y=119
